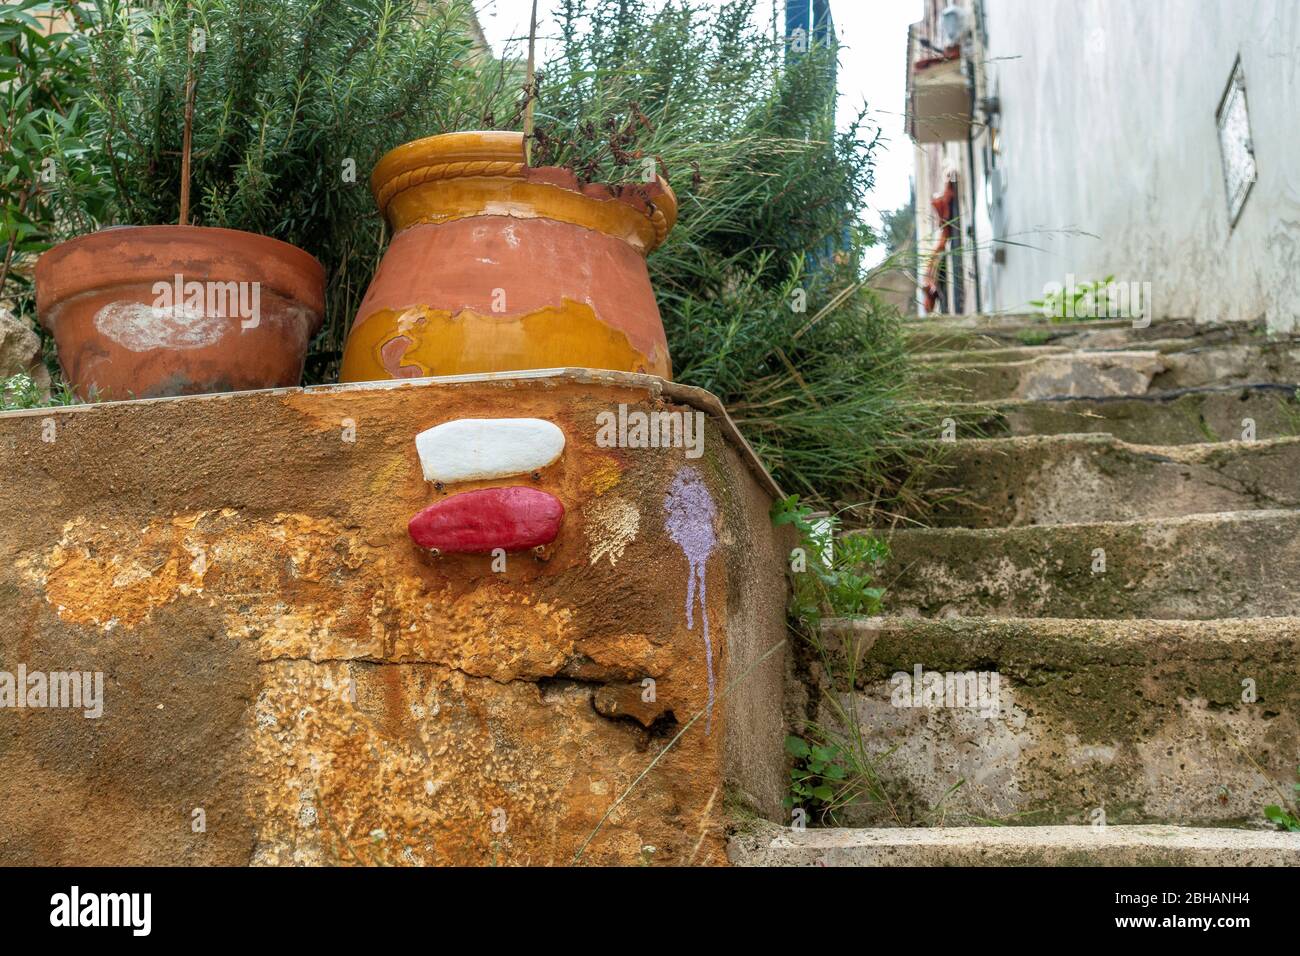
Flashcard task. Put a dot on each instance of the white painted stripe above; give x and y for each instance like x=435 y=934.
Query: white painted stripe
x=475 y=449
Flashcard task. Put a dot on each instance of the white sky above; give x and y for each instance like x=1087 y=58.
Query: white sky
x=874 y=34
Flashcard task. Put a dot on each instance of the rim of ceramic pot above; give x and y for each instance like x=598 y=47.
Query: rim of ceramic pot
x=483 y=172
x=204 y=253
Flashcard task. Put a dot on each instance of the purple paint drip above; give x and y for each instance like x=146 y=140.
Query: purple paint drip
x=690 y=516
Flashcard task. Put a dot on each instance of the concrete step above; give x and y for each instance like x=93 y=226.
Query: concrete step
x=1062 y=479
x=1230 y=564
x=1071 y=373
x=998 y=355
x=1013 y=846
x=1014 y=321
x=1094 y=373
x=938 y=335
x=1023 y=353
x=1183 y=416
x=1068 y=721
x=969 y=319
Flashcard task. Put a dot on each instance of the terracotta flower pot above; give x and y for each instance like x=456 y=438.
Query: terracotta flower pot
x=495 y=266
x=144 y=311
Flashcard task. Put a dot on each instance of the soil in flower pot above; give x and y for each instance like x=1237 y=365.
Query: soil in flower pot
x=149 y=311
x=495 y=266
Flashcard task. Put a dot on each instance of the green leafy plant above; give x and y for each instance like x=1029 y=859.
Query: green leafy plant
x=1078 y=301
x=831 y=577
x=835 y=766
x=819 y=771
x=48 y=189
x=21 y=391
x=834 y=575
x=1287 y=819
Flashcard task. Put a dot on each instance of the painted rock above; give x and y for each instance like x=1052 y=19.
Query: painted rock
x=477 y=522
x=475 y=449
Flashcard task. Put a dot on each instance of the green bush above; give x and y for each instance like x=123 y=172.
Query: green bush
x=760 y=283
x=48 y=188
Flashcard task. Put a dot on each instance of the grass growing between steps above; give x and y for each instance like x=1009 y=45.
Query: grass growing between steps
x=1033 y=337
x=1291 y=412
x=835 y=768
x=834 y=578
x=1085 y=301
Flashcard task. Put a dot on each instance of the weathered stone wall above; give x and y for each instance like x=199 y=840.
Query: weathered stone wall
x=1142 y=721
x=278 y=654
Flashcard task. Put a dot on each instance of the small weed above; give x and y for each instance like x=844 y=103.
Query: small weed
x=834 y=765
x=1206 y=430
x=833 y=577
x=1033 y=337
x=21 y=391
x=1281 y=816
x=1081 y=301
x=1291 y=412
x=820 y=771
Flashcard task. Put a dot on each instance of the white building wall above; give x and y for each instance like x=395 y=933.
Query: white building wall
x=1110 y=152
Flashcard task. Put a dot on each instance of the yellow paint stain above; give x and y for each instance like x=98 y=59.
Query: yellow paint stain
x=395 y=473
x=301 y=587
x=439 y=343
x=93 y=576
x=605 y=473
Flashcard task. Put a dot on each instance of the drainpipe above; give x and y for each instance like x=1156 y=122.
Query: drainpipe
x=975 y=248
x=970 y=159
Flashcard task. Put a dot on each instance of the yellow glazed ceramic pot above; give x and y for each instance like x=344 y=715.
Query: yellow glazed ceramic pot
x=495 y=266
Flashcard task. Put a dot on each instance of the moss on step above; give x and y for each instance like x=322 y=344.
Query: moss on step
x=1141 y=720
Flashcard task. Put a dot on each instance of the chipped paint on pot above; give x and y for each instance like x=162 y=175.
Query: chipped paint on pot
x=479 y=522
x=495 y=266
x=476 y=449
x=140 y=327
x=98 y=295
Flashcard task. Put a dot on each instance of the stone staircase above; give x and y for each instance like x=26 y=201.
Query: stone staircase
x=1109 y=550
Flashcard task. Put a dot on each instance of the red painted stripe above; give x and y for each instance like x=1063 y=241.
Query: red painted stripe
x=476 y=522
